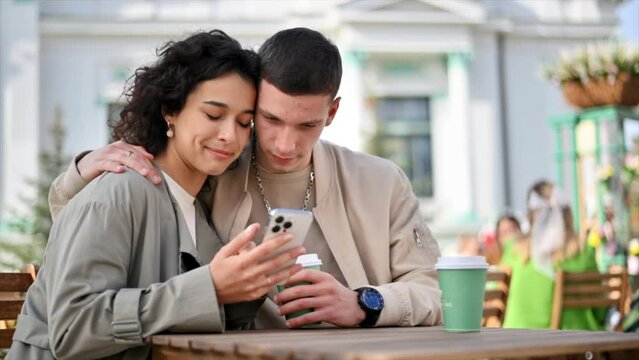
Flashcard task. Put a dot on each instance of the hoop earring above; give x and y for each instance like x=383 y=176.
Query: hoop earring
x=169 y=132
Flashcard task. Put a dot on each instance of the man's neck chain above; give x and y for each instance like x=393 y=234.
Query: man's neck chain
x=309 y=188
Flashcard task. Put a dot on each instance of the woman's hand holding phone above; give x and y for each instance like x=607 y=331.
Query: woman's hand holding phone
x=288 y=221
x=240 y=272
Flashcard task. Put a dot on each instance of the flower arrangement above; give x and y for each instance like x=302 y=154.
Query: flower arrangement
x=633 y=247
x=602 y=236
x=605 y=174
x=595 y=238
x=598 y=74
x=629 y=170
x=633 y=257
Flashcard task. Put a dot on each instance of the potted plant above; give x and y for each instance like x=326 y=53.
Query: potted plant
x=598 y=74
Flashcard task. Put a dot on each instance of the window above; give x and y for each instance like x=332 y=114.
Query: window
x=403 y=136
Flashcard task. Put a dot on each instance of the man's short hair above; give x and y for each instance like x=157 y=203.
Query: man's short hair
x=301 y=61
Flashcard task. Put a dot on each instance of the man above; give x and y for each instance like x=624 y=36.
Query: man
x=377 y=253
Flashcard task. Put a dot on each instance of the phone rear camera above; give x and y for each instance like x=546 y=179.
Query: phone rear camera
x=275 y=228
x=287 y=224
x=279 y=219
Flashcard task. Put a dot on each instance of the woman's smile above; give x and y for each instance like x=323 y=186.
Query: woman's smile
x=219 y=153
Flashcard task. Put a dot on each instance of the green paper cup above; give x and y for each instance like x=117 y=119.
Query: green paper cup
x=462 y=280
x=308 y=261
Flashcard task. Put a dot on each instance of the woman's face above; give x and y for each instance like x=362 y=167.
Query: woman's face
x=214 y=125
x=506 y=229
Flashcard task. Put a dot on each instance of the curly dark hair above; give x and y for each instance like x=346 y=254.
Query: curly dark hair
x=163 y=87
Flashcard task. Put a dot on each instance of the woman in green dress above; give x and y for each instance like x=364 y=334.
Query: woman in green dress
x=550 y=244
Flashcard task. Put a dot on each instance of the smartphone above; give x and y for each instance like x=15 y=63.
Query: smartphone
x=296 y=222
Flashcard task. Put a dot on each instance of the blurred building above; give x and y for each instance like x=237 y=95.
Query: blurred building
x=451 y=90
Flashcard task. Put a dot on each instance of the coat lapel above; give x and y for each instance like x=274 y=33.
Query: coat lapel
x=188 y=252
x=332 y=218
x=208 y=243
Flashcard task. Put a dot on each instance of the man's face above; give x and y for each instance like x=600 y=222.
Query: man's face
x=288 y=126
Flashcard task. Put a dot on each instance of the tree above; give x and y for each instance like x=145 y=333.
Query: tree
x=29 y=232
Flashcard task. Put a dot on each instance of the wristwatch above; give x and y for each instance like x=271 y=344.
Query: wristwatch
x=372 y=302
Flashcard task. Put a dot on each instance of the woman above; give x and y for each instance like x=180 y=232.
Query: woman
x=507 y=227
x=550 y=244
x=124 y=257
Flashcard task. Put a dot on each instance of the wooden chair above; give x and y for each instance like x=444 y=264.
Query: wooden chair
x=496 y=296
x=13 y=287
x=589 y=290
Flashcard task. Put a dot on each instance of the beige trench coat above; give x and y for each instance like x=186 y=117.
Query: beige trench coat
x=370 y=218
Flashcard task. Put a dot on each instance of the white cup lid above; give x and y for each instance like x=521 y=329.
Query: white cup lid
x=461 y=262
x=308 y=260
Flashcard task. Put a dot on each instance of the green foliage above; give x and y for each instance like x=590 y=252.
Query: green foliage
x=600 y=60
x=20 y=249
x=28 y=233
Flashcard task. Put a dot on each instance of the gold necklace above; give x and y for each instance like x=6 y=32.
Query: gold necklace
x=307 y=197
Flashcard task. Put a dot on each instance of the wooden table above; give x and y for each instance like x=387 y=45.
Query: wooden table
x=397 y=344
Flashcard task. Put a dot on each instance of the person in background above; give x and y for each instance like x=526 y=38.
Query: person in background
x=126 y=258
x=551 y=243
x=507 y=227
x=377 y=252
x=468 y=245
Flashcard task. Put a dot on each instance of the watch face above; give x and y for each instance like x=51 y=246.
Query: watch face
x=372 y=299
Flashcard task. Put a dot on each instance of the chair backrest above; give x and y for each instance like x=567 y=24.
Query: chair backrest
x=496 y=296
x=13 y=287
x=589 y=290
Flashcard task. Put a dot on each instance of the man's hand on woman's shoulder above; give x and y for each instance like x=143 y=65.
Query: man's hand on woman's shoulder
x=114 y=158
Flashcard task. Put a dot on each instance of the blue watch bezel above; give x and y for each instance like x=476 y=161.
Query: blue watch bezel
x=372 y=302
x=372 y=299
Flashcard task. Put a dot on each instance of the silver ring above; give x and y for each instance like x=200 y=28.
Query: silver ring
x=128 y=153
x=268 y=280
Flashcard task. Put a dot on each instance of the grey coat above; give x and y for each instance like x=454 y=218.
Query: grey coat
x=115 y=272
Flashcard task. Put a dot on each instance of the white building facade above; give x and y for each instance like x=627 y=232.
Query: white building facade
x=449 y=89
